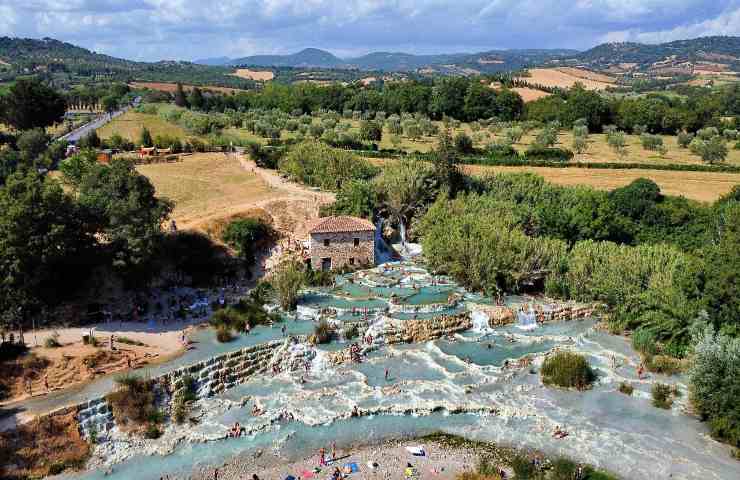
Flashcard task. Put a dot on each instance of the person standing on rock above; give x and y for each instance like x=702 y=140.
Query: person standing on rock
x=322 y=457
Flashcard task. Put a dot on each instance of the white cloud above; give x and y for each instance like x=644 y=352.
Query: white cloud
x=154 y=29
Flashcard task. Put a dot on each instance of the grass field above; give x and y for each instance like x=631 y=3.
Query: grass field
x=130 y=124
x=701 y=186
x=205 y=187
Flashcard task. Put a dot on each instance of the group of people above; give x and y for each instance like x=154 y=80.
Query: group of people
x=236 y=431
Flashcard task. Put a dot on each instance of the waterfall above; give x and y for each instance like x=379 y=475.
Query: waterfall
x=480 y=322
x=526 y=320
x=402 y=231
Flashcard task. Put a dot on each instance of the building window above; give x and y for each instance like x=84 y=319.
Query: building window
x=357 y=242
x=326 y=242
x=351 y=260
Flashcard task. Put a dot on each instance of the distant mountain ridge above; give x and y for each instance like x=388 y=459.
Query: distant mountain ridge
x=704 y=49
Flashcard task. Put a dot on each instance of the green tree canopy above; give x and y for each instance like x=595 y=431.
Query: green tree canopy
x=31 y=104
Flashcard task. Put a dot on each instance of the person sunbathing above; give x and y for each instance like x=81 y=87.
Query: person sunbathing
x=559 y=433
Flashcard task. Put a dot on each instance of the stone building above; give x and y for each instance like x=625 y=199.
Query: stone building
x=338 y=241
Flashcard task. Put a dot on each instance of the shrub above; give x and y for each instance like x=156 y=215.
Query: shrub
x=617 y=142
x=730 y=134
x=567 y=369
x=322 y=333
x=246 y=236
x=707 y=133
x=662 y=396
x=551 y=154
x=651 y=142
x=287 y=280
x=463 y=143
x=350 y=332
x=626 y=388
x=152 y=431
x=684 y=139
x=223 y=334
x=563 y=469
x=52 y=341
x=714 y=382
x=129 y=341
x=580 y=144
x=133 y=402
x=644 y=341
x=639 y=130
x=713 y=150
x=523 y=468
x=663 y=364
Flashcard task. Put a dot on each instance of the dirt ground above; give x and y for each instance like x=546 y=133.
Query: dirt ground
x=72 y=363
x=210 y=187
x=390 y=460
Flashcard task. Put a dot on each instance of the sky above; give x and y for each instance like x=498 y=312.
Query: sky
x=153 y=30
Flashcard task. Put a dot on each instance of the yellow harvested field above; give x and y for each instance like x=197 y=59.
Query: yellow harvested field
x=530 y=94
x=701 y=186
x=206 y=187
x=254 y=75
x=553 y=77
x=130 y=124
x=587 y=74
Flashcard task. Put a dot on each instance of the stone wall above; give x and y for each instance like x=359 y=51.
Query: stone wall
x=341 y=249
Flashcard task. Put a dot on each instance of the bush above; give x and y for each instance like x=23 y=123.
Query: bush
x=663 y=364
x=713 y=150
x=651 y=142
x=350 y=332
x=129 y=341
x=523 y=468
x=566 y=369
x=626 y=388
x=133 y=402
x=644 y=341
x=52 y=341
x=715 y=383
x=662 y=397
x=548 y=154
x=684 y=139
x=463 y=143
x=323 y=333
x=247 y=236
x=563 y=469
x=287 y=280
x=223 y=334
x=152 y=431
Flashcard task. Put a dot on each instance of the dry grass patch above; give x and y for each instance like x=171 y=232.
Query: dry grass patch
x=701 y=186
x=206 y=187
x=565 y=78
x=259 y=76
x=130 y=124
x=530 y=94
x=45 y=446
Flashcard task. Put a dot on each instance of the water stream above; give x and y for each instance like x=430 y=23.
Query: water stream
x=468 y=384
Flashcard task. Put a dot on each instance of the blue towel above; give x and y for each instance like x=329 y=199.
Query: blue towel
x=353 y=466
x=290 y=477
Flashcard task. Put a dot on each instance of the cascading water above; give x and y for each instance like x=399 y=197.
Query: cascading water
x=527 y=320
x=480 y=322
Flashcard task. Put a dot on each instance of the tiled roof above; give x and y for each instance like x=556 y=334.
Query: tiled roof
x=341 y=224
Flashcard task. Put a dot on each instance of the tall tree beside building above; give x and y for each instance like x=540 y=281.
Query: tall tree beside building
x=180 y=99
x=31 y=104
